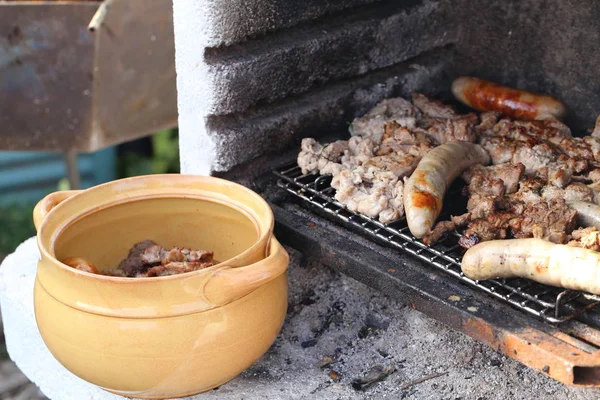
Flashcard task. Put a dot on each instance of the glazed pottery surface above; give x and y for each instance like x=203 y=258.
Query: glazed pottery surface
x=164 y=336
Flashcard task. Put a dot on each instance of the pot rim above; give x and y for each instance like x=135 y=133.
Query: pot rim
x=127 y=280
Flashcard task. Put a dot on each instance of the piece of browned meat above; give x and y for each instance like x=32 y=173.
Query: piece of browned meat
x=372 y=124
x=487 y=185
x=550 y=221
x=546 y=148
x=444 y=227
x=447 y=130
x=487 y=180
x=376 y=188
x=175 y=267
x=398 y=139
x=488 y=120
x=536 y=209
x=317 y=158
x=588 y=238
x=442 y=123
x=159 y=255
x=148 y=256
x=434 y=108
x=133 y=264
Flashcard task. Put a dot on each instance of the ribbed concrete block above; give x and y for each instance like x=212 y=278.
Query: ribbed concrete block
x=257 y=97
x=242 y=137
x=298 y=59
x=233 y=21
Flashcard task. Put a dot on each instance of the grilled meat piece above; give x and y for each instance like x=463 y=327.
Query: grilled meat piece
x=442 y=123
x=360 y=150
x=434 y=108
x=488 y=120
x=174 y=268
x=443 y=227
x=550 y=220
x=372 y=124
x=439 y=230
x=588 y=238
x=447 y=130
x=375 y=188
x=546 y=148
x=398 y=139
x=159 y=255
x=133 y=264
x=487 y=185
x=316 y=158
x=147 y=255
x=483 y=180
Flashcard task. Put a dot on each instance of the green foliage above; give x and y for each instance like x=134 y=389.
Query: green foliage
x=17 y=225
x=3 y=351
x=165 y=159
x=63 y=184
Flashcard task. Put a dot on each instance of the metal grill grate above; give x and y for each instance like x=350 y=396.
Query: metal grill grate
x=551 y=304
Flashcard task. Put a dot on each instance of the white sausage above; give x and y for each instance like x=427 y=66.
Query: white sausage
x=552 y=264
x=425 y=189
x=484 y=95
x=588 y=214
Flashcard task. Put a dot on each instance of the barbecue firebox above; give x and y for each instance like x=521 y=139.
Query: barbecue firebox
x=271 y=74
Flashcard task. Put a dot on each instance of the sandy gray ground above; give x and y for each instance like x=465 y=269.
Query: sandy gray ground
x=337 y=330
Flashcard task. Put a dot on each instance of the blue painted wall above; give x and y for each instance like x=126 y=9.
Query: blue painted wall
x=26 y=177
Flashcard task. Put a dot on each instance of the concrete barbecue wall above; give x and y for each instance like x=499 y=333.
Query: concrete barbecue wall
x=238 y=101
x=254 y=77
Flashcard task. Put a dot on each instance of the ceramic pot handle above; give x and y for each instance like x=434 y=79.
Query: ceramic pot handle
x=229 y=284
x=44 y=206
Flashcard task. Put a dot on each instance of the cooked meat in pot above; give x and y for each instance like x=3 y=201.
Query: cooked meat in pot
x=148 y=259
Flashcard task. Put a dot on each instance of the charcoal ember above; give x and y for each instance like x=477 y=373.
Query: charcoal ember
x=334 y=375
x=372 y=325
x=376 y=374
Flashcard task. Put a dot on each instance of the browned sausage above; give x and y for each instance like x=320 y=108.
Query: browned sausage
x=484 y=95
x=424 y=191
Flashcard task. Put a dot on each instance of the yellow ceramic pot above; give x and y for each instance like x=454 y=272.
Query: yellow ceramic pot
x=163 y=336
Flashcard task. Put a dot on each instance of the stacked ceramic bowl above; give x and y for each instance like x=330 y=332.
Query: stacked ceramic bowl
x=166 y=336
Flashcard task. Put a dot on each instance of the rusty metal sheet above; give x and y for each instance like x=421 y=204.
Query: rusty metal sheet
x=134 y=78
x=63 y=88
x=46 y=57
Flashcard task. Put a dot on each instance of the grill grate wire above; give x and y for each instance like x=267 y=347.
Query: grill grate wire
x=553 y=305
